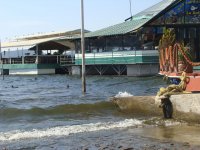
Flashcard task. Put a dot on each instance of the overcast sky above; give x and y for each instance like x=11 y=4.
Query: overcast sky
x=24 y=17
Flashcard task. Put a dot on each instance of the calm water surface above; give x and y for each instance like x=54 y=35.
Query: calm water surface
x=51 y=108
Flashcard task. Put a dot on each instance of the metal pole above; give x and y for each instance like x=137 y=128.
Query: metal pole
x=130 y=3
x=2 y=73
x=83 y=49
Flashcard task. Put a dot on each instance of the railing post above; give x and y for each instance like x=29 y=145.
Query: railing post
x=135 y=56
x=78 y=58
x=112 y=57
x=22 y=55
x=94 y=58
x=37 y=58
x=57 y=59
x=22 y=59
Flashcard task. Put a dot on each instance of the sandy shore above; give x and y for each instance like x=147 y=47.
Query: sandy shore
x=126 y=139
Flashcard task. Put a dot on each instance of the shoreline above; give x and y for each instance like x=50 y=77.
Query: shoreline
x=123 y=139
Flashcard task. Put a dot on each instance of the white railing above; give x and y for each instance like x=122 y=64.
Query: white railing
x=115 y=56
x=42 y=59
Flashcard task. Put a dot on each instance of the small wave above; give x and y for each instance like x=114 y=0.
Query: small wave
x=169 y=123
x=163 y=122
x=123 y=94
x=58 y=110
x=67 y=130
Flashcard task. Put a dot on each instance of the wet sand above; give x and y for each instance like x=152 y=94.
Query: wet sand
x=155 y=138
x=127 y=140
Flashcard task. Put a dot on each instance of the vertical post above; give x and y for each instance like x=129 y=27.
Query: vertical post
x=57 y=59
x=2 y=72
x=122 y=42
x=17 y=53
x=36 y=61
x=22 y=55
x=112 y=57
x=105 y=44
x=94 y=57
x=130 y=8
x=135 y=56
x=10 y=60
x=83 y=48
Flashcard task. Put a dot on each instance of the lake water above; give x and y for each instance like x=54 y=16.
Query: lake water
x=50 y=112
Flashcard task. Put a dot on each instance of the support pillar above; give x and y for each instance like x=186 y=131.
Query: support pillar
x=37 y=48
x=22 y=56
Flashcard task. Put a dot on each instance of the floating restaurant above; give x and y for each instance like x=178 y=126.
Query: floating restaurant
x=130 y=48
x=39 y=54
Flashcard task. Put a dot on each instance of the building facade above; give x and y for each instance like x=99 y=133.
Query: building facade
x=128 y=48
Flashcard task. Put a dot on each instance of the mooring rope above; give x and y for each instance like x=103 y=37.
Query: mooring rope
x=175 y=89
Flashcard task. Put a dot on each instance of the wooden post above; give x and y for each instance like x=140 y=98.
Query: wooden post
x=83 y=48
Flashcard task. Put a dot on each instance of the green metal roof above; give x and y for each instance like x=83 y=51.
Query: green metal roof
x=121 y=28
x=137 y=21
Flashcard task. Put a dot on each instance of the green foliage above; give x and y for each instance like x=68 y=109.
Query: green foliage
x=168 y=39
x=186 y=51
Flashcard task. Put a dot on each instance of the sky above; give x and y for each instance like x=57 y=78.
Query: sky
x=29 y=17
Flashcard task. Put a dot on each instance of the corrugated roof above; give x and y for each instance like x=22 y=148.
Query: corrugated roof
x=34 y=41
x=22 y=43
x=137 y=21
x=121 y=28
x=52 y=34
